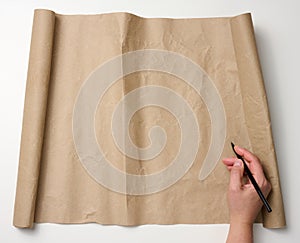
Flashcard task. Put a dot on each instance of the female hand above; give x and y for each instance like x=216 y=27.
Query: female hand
x=243 y=200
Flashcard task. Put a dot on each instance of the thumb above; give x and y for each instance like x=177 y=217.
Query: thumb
x=236 y=176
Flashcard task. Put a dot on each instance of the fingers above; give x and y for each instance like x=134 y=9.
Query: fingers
x=254 y=163
x=246 y=154
x=236 y=176
x=230 y=161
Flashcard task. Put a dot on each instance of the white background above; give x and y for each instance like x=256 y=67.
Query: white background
x=277 y=27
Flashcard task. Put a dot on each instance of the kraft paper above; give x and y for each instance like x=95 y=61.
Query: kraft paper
x=126 y=120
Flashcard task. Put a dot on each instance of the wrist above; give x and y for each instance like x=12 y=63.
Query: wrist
x=240 y=231
x=239 y=222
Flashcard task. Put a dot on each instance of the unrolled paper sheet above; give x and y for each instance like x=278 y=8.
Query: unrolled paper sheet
x=126 y=120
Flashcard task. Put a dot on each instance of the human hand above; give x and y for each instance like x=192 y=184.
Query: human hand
x=244 y=202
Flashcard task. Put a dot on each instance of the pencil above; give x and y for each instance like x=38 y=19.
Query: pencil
x=253 y=181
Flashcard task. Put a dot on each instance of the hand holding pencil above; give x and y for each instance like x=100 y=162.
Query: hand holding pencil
x=243 y=200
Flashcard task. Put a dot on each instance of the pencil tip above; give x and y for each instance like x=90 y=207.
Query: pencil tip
x=232 y=145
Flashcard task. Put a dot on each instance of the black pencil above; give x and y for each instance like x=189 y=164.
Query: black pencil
x=253 y=181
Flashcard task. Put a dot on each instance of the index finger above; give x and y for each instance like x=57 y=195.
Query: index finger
x=254 y=163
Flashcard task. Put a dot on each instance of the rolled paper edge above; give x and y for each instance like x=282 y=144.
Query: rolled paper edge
x=34 y=116
x=259 y=127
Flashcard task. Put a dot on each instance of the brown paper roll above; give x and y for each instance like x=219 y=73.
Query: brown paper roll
x=35 y=108
x=256 y=112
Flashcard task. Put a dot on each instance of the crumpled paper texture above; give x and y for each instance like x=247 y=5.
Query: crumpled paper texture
x=53 y=183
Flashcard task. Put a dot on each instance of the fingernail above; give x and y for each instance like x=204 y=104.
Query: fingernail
x=237 y=163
